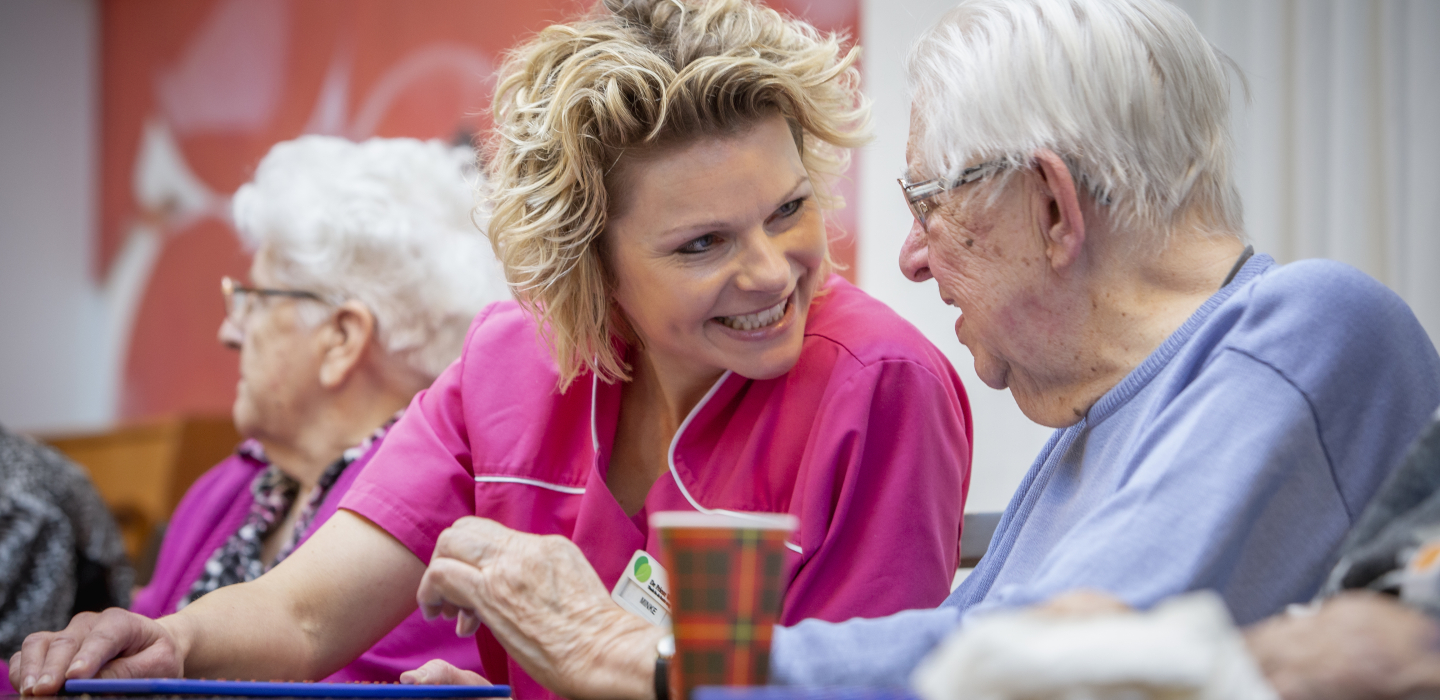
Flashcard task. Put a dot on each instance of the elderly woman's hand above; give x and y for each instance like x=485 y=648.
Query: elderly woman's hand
x=545 y=604
x=441 y=672
x=1358 y=645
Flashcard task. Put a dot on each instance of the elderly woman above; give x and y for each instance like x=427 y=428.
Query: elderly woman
x=680 y=343
x=1222 y=419
x=367 y=272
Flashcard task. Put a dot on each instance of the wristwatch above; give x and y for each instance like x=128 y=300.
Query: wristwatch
x=664 y=652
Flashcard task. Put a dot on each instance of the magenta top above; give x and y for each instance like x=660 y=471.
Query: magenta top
x=216 y=506
x=866 y=441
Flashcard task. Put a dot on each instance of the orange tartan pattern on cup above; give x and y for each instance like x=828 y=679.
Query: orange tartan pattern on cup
x=727 y=581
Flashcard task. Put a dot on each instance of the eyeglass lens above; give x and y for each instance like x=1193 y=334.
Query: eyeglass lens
x=236 y=300
x=919 y=209
x=917 y=205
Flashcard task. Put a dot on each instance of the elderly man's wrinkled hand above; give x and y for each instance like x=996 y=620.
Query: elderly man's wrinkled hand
x=1357 y=645
x=112 y=644
x=541 y=599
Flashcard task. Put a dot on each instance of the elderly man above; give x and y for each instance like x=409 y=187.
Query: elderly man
x=1222 y=419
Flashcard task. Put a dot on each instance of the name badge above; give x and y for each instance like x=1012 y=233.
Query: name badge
x=644 y=589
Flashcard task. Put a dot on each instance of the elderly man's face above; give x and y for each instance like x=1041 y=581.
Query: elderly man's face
x=988 y=257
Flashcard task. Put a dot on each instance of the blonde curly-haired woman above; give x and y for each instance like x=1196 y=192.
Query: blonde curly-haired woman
x=659 y=176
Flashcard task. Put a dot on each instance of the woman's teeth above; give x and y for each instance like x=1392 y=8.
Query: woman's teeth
x=759 y=319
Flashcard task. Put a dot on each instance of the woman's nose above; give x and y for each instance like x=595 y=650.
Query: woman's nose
x=766 y=267
x=915 y=254
x=229 y=334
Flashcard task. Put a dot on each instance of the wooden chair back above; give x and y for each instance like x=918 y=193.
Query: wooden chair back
x=142 y=470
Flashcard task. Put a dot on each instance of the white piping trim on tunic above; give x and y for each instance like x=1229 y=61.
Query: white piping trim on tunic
x=594 y=434
x=574 y=490
x=675 y=442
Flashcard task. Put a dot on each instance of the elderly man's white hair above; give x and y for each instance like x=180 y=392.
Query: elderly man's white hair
x=391 y=223
x=1128 y=92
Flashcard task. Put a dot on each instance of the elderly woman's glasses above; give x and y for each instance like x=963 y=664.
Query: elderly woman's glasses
x=239 y=299
x=919 y=195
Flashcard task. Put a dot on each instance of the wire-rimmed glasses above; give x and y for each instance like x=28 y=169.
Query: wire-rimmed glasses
x=919 y=195
x=239 y=299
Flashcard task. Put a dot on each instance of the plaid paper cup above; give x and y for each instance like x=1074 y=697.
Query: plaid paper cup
x=727 y=581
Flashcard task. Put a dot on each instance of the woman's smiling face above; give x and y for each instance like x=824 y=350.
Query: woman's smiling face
x=717 y=247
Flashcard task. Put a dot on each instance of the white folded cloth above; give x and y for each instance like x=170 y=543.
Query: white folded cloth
x=1186 y=648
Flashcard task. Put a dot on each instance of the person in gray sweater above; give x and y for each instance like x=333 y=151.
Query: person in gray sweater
x=60 y=549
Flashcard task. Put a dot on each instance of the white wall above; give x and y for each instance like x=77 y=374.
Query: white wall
x=50 y=312
x=1338 y=142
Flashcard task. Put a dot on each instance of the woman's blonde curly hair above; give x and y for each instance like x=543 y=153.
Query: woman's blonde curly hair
x=638 y=75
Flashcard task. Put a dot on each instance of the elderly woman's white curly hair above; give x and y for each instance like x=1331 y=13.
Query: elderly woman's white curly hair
x=633 y=76
x=391 y=223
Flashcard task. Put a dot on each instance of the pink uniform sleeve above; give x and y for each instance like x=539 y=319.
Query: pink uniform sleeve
x=888 y=475
x=421 y=480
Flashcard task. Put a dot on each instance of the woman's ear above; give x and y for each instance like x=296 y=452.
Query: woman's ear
x=350 y=330
x=1065 y=225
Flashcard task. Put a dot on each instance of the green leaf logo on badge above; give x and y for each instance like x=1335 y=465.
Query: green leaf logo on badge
x=642 y=569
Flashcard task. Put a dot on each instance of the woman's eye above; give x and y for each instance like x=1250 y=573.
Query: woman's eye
x=701 y=244
x=789 y=208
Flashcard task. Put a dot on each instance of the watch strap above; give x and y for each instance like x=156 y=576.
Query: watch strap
x=662 y=678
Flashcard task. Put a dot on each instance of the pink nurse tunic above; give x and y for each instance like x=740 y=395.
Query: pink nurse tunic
x=215 y=507
x=866 y=441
